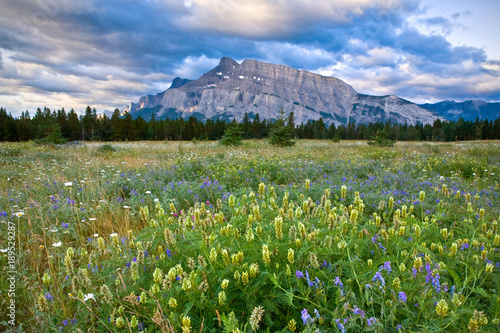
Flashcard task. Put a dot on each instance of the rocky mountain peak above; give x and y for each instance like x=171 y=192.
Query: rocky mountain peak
x=227 y=63
x=230 y=90
x=178 y=82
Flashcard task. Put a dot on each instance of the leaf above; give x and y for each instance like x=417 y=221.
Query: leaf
x=187 y=308
x=481 y=292
x=273 y=279
x=289 y=298
x=454 y=275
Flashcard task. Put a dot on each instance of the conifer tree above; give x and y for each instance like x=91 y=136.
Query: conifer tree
x=281 y=135
x=232 y=135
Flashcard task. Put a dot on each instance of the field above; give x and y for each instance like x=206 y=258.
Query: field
x=196 y=237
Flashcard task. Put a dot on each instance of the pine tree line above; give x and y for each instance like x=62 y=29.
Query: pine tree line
x=60 y=126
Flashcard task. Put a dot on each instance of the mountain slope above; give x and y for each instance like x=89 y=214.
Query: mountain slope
x=231 y=89
x=467 y=110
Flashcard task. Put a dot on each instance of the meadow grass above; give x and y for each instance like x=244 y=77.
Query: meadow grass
x=319 y=237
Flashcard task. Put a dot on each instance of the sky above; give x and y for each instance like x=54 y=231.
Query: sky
x=106 y=54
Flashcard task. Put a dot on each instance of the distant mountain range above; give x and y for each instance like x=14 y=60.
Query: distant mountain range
x=467 y=110
x=231 y=89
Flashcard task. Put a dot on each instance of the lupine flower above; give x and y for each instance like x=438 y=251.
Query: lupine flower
x=386 y=266
x=371 y=321
x=358 y=311
x=380 y=278
x=308 y=280
x=340 y=325
x=436 y=283
x=305 y=316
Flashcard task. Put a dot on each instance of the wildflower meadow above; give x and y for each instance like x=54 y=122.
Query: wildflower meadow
x=199 y=237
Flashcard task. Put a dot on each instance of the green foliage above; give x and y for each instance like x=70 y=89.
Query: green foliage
x=107 y=149
x=143 y=126
x=281 y=135
x=381 y=139
x=10 y=152
x=103 y=241
x=232 y=135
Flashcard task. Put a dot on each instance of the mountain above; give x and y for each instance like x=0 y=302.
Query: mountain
x=178 y=82
x=231 y=89
x=106 y=113
x=467 y=110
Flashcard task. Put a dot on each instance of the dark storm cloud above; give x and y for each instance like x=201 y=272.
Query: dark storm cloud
x=111 y=52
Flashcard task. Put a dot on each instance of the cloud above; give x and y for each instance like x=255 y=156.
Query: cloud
x=109 y=53
x=268 y=19
x=458 y=81
x=295 y=55
x=194 y=67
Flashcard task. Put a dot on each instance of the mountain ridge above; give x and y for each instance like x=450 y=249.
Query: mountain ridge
x=231 y=89
x=468 y=110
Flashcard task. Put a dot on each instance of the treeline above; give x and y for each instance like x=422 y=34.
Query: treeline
x=61 y=126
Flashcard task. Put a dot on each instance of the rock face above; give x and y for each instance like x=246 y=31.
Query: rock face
x=231 y=89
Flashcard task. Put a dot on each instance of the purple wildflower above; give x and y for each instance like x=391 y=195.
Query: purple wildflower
x=402 y=296
x=386 y=266
x=436 y=282
x=371 y=321
x=340 y=325
x=380 y=278
x=338 y=283
x=305 y=316
x=358 y=311
x=299 y=274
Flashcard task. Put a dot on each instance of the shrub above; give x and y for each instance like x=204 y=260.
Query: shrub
x=107 y=149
